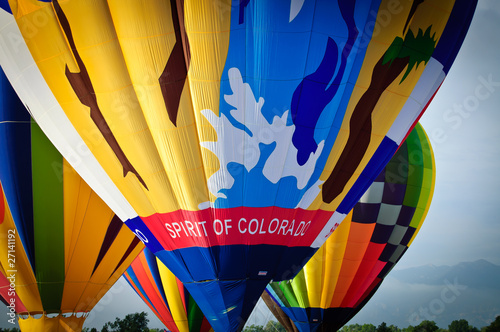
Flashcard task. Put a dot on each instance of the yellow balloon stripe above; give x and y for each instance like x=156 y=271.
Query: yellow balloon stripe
x=175 y=303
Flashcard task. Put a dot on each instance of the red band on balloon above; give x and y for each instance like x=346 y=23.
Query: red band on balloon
x=242 y=225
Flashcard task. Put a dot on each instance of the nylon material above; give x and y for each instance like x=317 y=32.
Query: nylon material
x=419 y=213
x=28 y=76
x=359 y=234
x=132 y=135
x=428 y=83
x=352 y=294
x=108 y=267
x=388 y=107
x=433 y=73
x=96 y=220
x=53 y=324
x=335 y=219
x=434 y=13
x=300 y=289
x=313 y=277
x=94 y=34
x=169 y=143
x=400 y=250
x=184 y=175
x=145 y=47
x=414 y=144
x=108 y=271
x=152 y=293
x=124 y=15
x=89 y=298
x=26 y=7
x=77 y=112
x=141 y=159
x=361 y=265
x=462 y=15
x=183 y=294
x=143 y=273
x=375 y=50
x=340 y=291
x=374 y=143
x=86 y=297
x=428 y=176
x=75 y=191
x=26 y=285
x=117 y=273
x=424 y=214
x=48 y=218
x=412 y=196
x=184 y=140
x=4 y=293
x=289 y=295
x=406 y=118
x=174 y=299
x=374 y=193
x=208 y=36
x=337 y=244
x=335 y=153
x=397 y=234
x=204 y=34
x=364 y=285
x=388 y=214
x=196 y=318
x=212 y=293
x=415 y=173
x=83 y=258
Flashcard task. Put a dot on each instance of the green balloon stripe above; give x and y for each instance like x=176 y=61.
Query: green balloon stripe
x=48 y=215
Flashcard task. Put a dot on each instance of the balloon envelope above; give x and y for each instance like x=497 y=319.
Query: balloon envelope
x=62 y=247
x=347 y=270
x=232 y=136
x=165 y=294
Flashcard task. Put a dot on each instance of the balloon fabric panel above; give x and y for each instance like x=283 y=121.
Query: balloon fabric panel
x=48 y=228
x=371 y=240
x=165 y=294
x=76 y=258
x=25 y=275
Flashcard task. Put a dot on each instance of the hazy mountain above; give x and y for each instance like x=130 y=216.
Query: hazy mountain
x=468 y=290
x=480 y=274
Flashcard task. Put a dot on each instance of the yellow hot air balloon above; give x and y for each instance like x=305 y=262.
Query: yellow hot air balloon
x=61 y=246
x=349 y=268
x=231 y=136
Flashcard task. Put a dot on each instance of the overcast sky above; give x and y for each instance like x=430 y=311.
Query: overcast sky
x=463 y=123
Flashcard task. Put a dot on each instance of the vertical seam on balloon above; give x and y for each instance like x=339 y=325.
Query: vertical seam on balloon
x=290 y=110
x=82 y=86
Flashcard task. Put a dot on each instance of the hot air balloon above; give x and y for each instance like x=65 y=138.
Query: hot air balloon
x=231 y=136
x=347 y=270
x=61 y=246
x=165 y=294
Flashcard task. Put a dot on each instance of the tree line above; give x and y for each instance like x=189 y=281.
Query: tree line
x=138 y=322
x=460 y=325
